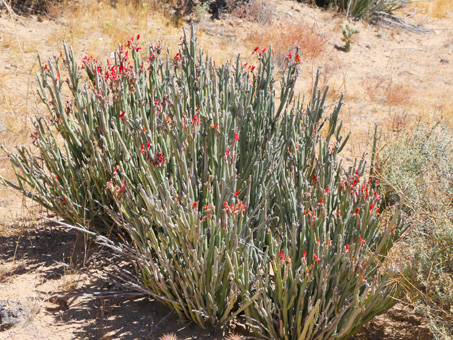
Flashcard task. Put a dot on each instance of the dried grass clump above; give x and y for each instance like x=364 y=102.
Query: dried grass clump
x=436 y=8
x=287 y=36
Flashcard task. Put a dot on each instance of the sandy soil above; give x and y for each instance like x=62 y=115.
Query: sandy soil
x=393 y=76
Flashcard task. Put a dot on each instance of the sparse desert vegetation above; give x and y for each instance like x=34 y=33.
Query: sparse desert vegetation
x=211 y=169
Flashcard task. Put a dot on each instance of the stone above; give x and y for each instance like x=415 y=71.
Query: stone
x=9 y=316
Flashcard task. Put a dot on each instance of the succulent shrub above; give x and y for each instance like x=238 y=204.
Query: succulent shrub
x=307 y=247
x=422 y=161
x=212 y=177
x=348 y=32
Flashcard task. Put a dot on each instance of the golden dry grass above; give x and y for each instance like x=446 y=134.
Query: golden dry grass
x=96 y=27
x=436 y=8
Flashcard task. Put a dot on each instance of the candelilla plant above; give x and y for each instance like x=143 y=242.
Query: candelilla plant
x=234 y=202
x=209 y=197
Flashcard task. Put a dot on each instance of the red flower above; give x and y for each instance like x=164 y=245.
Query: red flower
x=194 y=205
x=304 y=256
x=361 y=239
x=177 y=57
x=327 y=190
x=236 y=136
x=227 y=152
x=225 y=205
x=123 y=186
x=289 y=55
x=356 y=212
x=347 y=249
x=314 y=178
x=298 y=60
x=330 y=243
x=282 y=256
x=263 y=51
x=236 y=193
x=142 y=150
x=316 y=258
x=195 y=120
x=256 y=49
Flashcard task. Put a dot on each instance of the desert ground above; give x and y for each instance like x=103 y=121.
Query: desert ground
x=398 y=73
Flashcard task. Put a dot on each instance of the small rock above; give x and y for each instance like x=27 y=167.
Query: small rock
x=444 y=60
x=9 y=316
x=289 y=14
x=368 y=46
x=7 y=67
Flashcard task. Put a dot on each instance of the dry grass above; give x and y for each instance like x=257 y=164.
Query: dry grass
x=285 y=37
x=398 y=94
x=436 y=8
x=96 y=27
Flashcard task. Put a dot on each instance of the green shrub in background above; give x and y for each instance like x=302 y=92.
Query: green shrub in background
x=235 y=202
x=422 y=161
x=365 y=8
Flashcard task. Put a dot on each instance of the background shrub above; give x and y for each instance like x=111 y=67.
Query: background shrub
x=364 y=8
x=422 y=161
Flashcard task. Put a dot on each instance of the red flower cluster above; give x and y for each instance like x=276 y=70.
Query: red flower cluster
x=284 y=258
x=234 y=208
x=159 y=160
